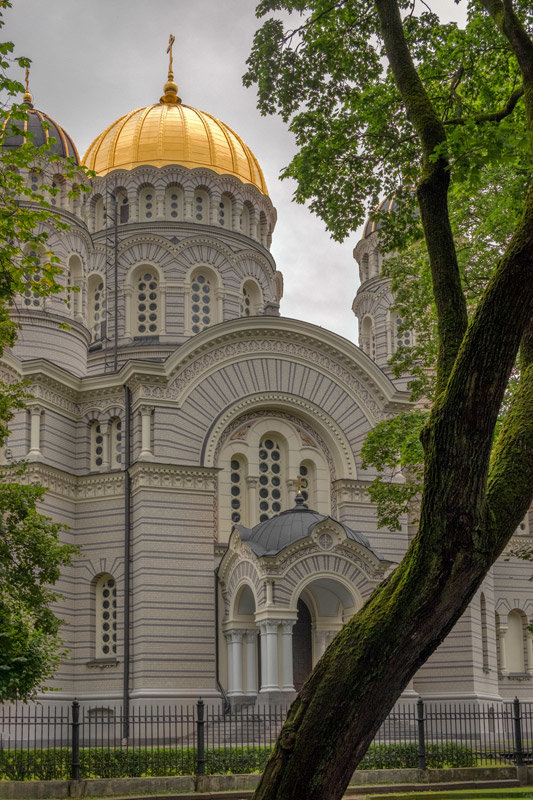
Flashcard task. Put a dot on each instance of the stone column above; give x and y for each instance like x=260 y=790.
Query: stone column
x=106 y=452
x=251 y=661
x=269 y=656
x=146 y=453
x=287 y=679
x=251 y=485
x=503 y=653
x=234 y=640
x=529 y=651
x=35 y=432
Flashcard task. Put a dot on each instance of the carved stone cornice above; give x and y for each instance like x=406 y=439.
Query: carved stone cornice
x=74 y=487
x=173 y=477
x=352 y=491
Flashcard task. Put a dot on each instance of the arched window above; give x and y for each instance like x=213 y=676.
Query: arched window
x=224 y=211
x=97 y=307
x=97 y=446
x=368 y=339
x=147 y=203
x=203 y=302
x=146 y=303
x=238 y=488
x=115 y=441
x=251 y=300
x=270 y=477
x=57 y=195
x=515 y=642
x=35 y=180
x=484 y=633
x=32 y=298
x=174 y=203
x=105 y=617
x=263 y=229
x=201 y=206
x=74 y=284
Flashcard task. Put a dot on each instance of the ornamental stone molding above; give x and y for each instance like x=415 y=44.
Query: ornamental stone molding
x=238 y=430
x=237 y=414
x=171 y=477
x=352 y=491
x=75 y=487
x=186 y=379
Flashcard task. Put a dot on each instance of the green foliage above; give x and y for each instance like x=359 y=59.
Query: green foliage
x=394 y=449
x=405 y=756
x=30 y=551
x=102 y=762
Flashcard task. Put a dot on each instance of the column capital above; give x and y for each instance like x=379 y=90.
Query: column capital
x=234 y=636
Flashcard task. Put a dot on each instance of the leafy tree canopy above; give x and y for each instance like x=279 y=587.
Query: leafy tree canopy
x=31 y=553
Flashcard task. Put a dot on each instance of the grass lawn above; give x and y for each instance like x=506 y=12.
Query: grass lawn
x=461 y=794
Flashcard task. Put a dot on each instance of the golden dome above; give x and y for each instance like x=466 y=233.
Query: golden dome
x=172 y=133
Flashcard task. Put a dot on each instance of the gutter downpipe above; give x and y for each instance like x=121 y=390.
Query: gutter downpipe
x=127 y=565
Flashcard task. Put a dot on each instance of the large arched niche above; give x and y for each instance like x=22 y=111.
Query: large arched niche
x=313 y=419
x=307 y=446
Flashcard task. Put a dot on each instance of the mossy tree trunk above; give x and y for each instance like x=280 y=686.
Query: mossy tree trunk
x=476 y=491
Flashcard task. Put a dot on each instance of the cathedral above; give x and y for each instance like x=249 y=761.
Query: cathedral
x=204 y=451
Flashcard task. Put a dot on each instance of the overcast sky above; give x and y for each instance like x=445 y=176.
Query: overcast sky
x=95 y=60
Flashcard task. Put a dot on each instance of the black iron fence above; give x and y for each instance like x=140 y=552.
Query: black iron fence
x=75 y=742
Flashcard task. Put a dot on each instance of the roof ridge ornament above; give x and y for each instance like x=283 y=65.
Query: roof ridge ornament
x=170 y=89
x=27 y=96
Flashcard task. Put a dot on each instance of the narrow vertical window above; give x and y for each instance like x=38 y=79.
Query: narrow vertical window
x=147 y=305
x=403 y=336
x=307 y=474
x=174 y=203
x=116 y=443
x=201 y=302
x=237 y=487
x=201 y=206
x=106 y=617
x=147 y=203
x=97 y=307
x=224 y=212
x=97 y=446
x=269 y=478
x=32 y=298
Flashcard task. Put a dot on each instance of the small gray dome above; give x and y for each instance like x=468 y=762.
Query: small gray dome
x=272 y=536
x=41 y=133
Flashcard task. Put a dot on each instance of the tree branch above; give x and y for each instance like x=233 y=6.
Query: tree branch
x=494 y=116
x=432 y=192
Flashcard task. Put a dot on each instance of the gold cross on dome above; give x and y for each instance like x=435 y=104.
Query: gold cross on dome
x=27 y=79
x=300 y=483
x=171 y=40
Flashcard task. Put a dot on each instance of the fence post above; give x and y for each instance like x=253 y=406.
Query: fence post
x=421 y=734
x=200 y=740
x=519 y=753
x=75 y=762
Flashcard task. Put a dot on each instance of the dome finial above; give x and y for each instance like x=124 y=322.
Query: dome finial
x=170 y=88
x=27 y=97
x=299 y=500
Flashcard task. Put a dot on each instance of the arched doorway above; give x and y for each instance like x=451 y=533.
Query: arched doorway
x=302 y=645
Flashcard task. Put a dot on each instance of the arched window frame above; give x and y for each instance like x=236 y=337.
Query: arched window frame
x=307 y=472
x=97 y=306
x=131 y=291
x=516 y=643
x=395 y=336
x=365 y=268
x=216 y=293
x=122 y=206
x=246 y=218
x=105 y=617
x=251 y=298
